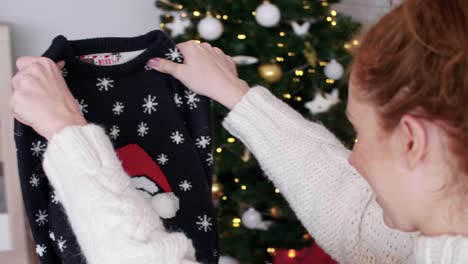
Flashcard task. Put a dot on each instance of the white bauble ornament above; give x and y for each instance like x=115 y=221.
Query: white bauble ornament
x=267 y=14
x=210 y=28
x=334 y=70
x=253 y=220
x=227 y=260
x=322 y=103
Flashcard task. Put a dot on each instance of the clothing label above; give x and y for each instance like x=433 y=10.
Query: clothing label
x=107 y=59
x=101 y=59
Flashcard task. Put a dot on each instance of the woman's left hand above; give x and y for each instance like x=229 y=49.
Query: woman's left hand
x=41 y=98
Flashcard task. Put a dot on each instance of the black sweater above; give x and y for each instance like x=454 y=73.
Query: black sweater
x=147 y=114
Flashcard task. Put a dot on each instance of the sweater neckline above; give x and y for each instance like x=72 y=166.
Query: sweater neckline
x=155 y=44
x=441 y=249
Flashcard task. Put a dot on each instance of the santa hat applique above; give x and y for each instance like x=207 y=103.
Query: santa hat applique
x=146 y=176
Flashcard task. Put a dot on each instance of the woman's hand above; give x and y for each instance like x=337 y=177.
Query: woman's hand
x=41 y=98
x=206 y=71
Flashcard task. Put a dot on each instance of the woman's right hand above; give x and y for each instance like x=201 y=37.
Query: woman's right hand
x=206 y=71
x=41 y=98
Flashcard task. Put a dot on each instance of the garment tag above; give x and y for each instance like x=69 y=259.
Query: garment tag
x=107 y=59
x=102 y=59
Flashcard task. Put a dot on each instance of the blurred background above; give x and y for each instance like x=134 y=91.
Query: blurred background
x=35 y=23
x=299 y=49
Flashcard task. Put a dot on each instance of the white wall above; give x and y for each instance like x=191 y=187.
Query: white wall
x=5 y=239
x=35 y=23
x=366 y=11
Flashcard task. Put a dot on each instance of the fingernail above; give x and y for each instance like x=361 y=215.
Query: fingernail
x=154 y=62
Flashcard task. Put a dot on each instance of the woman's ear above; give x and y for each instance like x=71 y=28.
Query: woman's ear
x=413 y=137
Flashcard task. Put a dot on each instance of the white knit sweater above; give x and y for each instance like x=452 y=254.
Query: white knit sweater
x=114 y=224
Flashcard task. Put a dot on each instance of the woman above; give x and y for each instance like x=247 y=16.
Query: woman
x=407 y=102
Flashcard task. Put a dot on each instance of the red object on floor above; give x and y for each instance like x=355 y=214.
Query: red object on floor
x=309 y=255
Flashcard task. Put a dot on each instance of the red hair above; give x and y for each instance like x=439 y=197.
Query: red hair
x=416 y=57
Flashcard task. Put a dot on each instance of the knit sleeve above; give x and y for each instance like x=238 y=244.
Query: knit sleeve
x=309 y=165
x=112 y=222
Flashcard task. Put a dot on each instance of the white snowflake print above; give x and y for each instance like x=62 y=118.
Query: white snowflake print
x=209 y=160
x=178 y=100
x=118 y=108
x=204 y=223
x=142 y=129
x=185 y=186
x=52 y=235
x=54 y=197
x=114 y=132
x=177 y=137
x=163 y=159
x=174 y=55
x=203 y=142
x=61 y=244
x=149 y=104
x=82 y=105
x=41 y=217
x=38 y=148
x=147 y=67
x=104 y=84
x=34 y=180
x=41 y=249
x=192 y=99
x=64 y=72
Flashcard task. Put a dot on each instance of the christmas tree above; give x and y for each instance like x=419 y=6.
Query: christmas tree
x=299 y=49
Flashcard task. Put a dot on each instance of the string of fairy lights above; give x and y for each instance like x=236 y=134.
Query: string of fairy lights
x=270 y=71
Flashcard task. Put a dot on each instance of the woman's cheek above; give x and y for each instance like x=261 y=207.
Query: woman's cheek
x=360 y=162
x=355 y=158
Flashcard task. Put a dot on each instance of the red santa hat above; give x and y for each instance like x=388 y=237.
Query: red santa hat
x=146 y=177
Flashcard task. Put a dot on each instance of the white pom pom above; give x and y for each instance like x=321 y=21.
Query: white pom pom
x=227 y=260
x=165 y=204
